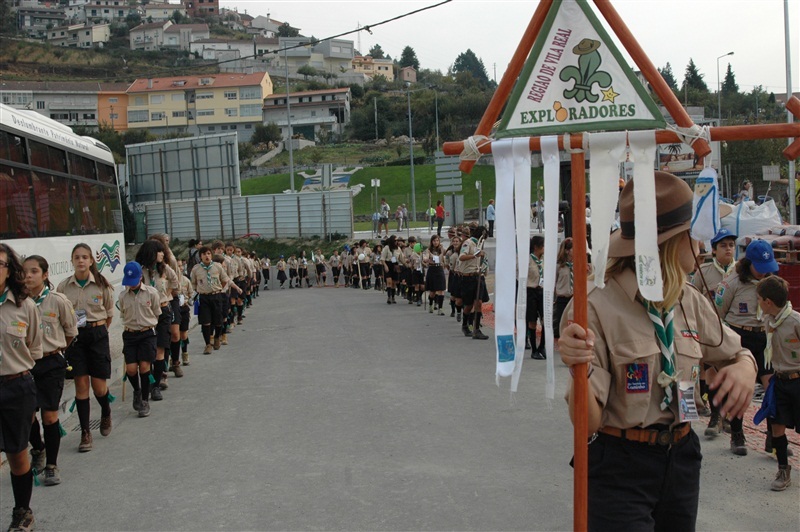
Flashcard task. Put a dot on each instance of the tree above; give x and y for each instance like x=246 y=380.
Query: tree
x=409 y=58
x=133 y=20
x=469 y=62
x=307 y=70
x=668 y=76
x=285 y=30
x=729 y=86
x=177 y=17
x=376 y=52
x=693 y=78
x=266 y=133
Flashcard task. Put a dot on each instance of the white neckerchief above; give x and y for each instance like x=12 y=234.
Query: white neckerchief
x=722 y=269
x=771 y=326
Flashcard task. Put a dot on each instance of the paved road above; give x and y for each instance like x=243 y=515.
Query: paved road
x=332 y=411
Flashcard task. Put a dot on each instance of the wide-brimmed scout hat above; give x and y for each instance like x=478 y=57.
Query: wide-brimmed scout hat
x=673 y=213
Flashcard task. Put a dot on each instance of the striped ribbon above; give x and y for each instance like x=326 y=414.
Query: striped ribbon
x=662 y=323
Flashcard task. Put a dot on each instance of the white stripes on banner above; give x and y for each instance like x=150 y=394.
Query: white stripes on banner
x=607 y=151
x=552 y=168
x=648 y=267
x=522 y=202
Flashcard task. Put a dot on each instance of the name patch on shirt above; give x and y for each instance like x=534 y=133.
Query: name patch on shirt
x=742 y=308
x=690 y=333
x=637 y=378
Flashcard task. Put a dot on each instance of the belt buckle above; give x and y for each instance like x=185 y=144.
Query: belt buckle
x=664 y=437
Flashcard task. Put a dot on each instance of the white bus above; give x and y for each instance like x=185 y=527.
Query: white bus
x=58 y=189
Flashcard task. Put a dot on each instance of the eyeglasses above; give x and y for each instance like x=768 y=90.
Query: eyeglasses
x=3 y=264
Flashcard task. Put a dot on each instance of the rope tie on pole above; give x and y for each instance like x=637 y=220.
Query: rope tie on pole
x=690 y=135
x=472 y=147
x=568 y=145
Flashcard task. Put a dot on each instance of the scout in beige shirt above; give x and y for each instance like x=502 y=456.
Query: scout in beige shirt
x=473 y=286
x=454 y=277
x=564 y=282
x=210 y=280
x=92 y=297
x=390 y=257
x=59 y=327
x=20 y=347
x=140 y=307
x=534 y=309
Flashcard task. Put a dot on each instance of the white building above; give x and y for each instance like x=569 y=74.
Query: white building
x=80 y=35
x=311 y=112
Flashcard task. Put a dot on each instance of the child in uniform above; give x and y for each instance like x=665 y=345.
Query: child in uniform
x=140 y=307
x=186 y=297
x=92 y=297
x=435 y=282
x=453 y=277
x=564 y=282
x=783 y=335
x=390 y=257
x=281 y=267
x=210 y=281
x=21 y=347
x=292 y=263
x=59 y=327
x=335 y=263
x=534 y=310
x=265 y=267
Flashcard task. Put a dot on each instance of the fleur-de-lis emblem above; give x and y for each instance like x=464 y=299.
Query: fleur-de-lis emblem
x=586 y=74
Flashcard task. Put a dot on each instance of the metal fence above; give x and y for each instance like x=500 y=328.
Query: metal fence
x=303 y=215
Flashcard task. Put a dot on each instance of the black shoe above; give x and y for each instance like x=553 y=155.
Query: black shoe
x=155 y=394
x=528 y=343
x=144 y=411
x=22 y=520
x=478 y=335
x=466 y=330
x=458 y=317
x=452 y=313
x=137 y=400
x=738 y=444
x=537 y=355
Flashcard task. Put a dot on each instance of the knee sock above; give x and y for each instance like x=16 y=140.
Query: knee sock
x=206 y=333
x=440 y=301
x=781 y=446
x=22 y=486
x=711 y=395
x=134 y=381
x=36 y=436
x=83 y=413
x=239 y=311
x=466 y=320
x=452 y=305
x=478 y=319
x=52 y=442
x=158 y=371
x=185 y=345
x=145 y=381
x=704 y=388
x=532 y=335
x=459 y=309
x=175 y=351
x=430 y=300
x=104 y=404
x=736 y=425
x=220 y=331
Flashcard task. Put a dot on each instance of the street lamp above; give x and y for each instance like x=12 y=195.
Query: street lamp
x=719 y=90
x=411 y=155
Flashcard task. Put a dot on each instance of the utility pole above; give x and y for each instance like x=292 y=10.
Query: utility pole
x=411 y=155
x=289 y=122
x=375 y=106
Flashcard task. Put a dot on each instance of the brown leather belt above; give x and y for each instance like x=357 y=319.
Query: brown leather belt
x=650 y=436
x=95 y=323
x=749 y=329
x=5 y=378
x=128 y=329
x=470 y=274
x=787 y=376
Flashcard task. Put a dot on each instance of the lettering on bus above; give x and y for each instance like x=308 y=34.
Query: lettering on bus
x=50 y=133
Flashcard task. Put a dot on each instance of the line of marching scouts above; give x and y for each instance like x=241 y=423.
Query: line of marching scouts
x=51 y=334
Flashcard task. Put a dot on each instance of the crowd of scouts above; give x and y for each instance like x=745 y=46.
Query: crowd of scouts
x=50 y=334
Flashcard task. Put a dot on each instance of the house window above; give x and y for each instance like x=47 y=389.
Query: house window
x=156 y=99
x=205 y=95
x=178 y=97
x=59 y=116
x=224 y=128
x=205 y=112
x=178 y=114
x=250 y=110
x=156 y=117
x=233 y=126
x=212 y=128
x=250 y=93
x=232 y=112
x=139 y=100
x=231 y=95
x=88 y=116
x=137 y=116
x=40 y=105
x=113 y=100
x=248 y=126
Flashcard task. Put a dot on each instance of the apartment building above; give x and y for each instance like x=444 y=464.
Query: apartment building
x=334 y=56
x=219 y=49
x=161 y=12
x=108 y=10
x=80 y=35
x=201 y=8
x=166 y=35
x=199 y=104
x=372 y=67
x=312 y=112
x=34 y=21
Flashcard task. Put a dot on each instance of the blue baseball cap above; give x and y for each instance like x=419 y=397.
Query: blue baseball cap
x=131 y=274
x=760 y=254
x=723 y=233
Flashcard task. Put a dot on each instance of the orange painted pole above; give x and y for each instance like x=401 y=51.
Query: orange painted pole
x=580 y=381
x=664 y=136
x=660 y=86
x=503 y=91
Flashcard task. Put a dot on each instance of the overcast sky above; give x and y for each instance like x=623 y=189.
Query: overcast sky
x=668 y=30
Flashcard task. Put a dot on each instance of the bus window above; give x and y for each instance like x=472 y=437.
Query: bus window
x=17 y=218
x=106 y=174
x=52 y=204
x=81 y=166
x=45 y=156
x=12 y=148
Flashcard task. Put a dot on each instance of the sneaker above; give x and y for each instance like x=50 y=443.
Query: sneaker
x=782 y=480
x=86 y=442
x=466 y=330
x=137 y=400
x=458 y=317
x=738 y=444
x=224 y=339
x=430 y=309
x=105 y=425
x=163 y=385
x=155 y=394
x=185 y=358
x=207 y=350
x=441 y=312
x=217 y=343
x=477 y=334
x=177 y=371
x=52 y=476
x=38 y=460
x=144 y=411
x=21 y=520
x=714 y=427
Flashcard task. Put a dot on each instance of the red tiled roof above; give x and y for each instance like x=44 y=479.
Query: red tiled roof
x=64 y=86
x=150 y=26
x=193 y=82
x=176 y=28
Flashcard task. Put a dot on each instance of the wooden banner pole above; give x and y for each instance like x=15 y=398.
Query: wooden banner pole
x=580 y=381
x=510 y=76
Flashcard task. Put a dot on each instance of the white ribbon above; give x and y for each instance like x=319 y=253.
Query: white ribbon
x=552 y=168
x=648 y=267
x=505 y=251
x=607 y=151
x=522 y=202
x=705 y=206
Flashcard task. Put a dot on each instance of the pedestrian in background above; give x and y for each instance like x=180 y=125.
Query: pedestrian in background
x=490 y=217
x=439 y=217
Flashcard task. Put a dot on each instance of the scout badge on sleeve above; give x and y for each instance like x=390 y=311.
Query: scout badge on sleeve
x=705 y=213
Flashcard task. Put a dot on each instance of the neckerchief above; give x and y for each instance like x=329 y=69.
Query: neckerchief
x=662 y=323
x=208 y=271
x=3 y=296
x=538 y=262
x=759 y=312
x=771 y=327
x=41 y=296
x=722 y=269
x=571 y=275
